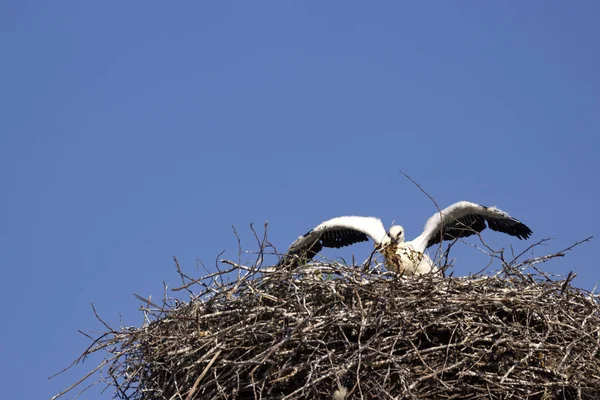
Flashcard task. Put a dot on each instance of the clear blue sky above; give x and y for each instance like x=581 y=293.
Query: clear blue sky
x=135 y=131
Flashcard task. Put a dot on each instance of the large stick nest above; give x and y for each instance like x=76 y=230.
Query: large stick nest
x=328 y=330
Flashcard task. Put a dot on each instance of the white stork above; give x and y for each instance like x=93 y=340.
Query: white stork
x=461 y=219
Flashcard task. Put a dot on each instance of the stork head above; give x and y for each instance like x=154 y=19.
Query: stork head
x=396 y=233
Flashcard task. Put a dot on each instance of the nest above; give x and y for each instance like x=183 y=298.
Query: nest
x=331 y=331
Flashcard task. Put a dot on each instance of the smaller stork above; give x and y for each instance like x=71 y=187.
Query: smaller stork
x=461 y=219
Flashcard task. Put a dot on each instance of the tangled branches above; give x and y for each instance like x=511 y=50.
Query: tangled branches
x=330 y=331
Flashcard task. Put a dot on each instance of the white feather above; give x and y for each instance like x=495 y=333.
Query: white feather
x=370 y=226
x=451 y=213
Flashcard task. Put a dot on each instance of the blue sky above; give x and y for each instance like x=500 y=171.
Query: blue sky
x=132 y=132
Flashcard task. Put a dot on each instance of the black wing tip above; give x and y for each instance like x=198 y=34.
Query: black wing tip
x=523 y=231
x=300 y=256
x=513 y=227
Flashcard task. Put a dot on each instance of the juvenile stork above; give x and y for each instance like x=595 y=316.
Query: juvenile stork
x=461 y=219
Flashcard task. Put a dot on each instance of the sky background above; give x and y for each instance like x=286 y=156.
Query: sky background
x=132 y=132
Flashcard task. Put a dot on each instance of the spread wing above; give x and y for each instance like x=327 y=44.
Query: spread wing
x=464 y=219
x=337 y=232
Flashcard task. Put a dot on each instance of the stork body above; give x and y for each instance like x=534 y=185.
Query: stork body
x=461 y=219
x=404 y=259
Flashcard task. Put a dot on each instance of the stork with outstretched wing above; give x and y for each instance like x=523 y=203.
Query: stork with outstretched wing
x=459 y=220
